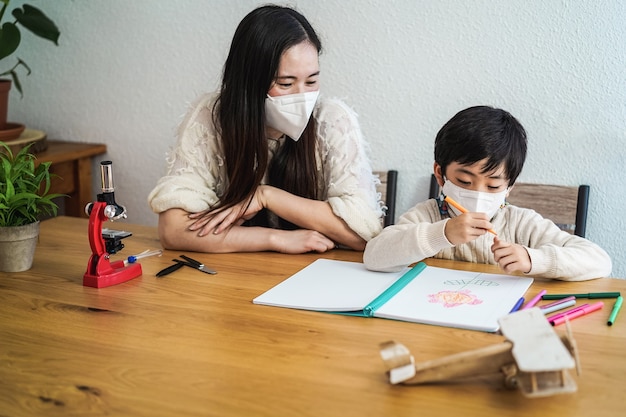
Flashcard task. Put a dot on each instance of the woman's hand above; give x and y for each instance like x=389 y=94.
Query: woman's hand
x=218 y=220
x=301 y=241
x=511 y=257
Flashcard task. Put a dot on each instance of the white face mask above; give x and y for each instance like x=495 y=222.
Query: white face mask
x=474 y=201
x=290 y=113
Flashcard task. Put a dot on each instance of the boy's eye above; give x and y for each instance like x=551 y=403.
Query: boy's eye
x=464 y=182
x=311 y=82
x=496 y=187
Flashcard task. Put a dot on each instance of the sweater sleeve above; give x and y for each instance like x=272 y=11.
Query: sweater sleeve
x=346 y=169
x=557 y=254
x=554 y=254
x=194 y=177
x=418 y=234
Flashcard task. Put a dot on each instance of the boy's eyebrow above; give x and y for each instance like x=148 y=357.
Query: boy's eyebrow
x=498 y=173
x=498 y=176
x=465 y=171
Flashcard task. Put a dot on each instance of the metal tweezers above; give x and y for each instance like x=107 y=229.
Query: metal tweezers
x=190 y=262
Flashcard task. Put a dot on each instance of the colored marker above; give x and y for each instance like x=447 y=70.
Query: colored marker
x=557 y=302
x=616 y=308
x=462 y=209
x=585 y=295
x=517 y=305
x=534 y=300
x=559 y=315
x=578 y=313
x=559 y=306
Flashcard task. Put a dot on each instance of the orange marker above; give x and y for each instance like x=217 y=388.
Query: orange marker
x=462 y=209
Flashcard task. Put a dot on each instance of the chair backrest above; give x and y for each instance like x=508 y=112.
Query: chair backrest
x=435 y=190
x=565 y=205
x=387 y=189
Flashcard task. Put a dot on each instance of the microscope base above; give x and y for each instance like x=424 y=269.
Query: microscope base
x=119 y=273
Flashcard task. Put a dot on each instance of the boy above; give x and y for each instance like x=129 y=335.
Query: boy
x=479 y=154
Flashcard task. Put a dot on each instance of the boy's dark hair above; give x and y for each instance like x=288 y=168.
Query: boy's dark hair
x=483 y=132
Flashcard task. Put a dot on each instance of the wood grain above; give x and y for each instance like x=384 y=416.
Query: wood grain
x=192 y=344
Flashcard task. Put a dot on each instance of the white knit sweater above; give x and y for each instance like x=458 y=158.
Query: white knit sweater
x=419 y=234
x=196 y=174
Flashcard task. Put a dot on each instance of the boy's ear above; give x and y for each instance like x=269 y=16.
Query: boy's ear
x=438 y=174
x=509 y=191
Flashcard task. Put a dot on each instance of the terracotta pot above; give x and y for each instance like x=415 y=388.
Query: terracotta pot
x=17 y=247
x=5 y=88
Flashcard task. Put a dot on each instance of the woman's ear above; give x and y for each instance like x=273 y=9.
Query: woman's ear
x=439 y=174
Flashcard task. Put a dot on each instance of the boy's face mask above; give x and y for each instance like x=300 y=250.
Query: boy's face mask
x=290 y=113
x=474 y=201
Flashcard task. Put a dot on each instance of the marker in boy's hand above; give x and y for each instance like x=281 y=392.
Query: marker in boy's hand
x=511 y=257
x=462 y=209
x=467 y=227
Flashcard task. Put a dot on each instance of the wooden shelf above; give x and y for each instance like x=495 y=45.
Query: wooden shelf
x=71 y=161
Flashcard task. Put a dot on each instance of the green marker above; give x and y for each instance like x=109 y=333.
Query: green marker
x=585 y=295
x=616 y=307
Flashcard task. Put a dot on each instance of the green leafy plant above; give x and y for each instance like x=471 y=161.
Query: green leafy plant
x=24 y=188
x=30 y=18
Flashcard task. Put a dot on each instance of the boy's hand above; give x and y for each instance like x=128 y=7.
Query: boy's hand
x=511 y=257
x=466 y=227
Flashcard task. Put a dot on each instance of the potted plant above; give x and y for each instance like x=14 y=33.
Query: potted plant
x=32 y=19
x=24 y=198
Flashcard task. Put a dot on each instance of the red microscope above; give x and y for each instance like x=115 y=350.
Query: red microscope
x=100 y=271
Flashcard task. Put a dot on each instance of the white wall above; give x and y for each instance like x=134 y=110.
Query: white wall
x=125 y=71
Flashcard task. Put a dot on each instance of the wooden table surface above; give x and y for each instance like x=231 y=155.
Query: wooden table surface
x=192 y=344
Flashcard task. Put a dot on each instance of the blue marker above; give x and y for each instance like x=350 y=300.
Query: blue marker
x=517 y=305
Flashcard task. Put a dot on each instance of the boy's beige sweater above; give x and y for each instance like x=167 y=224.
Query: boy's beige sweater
x=419 y=234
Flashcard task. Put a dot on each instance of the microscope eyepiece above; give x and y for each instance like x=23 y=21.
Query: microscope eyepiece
x=113 y=210
x=106 y=175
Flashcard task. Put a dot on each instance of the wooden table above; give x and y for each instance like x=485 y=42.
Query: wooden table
x=71 y=161
x=193 y=344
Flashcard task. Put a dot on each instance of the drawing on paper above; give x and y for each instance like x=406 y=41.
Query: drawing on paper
x=474 y=281
x=454 y=298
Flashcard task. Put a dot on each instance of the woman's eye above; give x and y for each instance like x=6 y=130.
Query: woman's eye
x=284 y=85
x=311 y=82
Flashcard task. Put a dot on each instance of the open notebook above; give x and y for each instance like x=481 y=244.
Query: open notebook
x=422 y=294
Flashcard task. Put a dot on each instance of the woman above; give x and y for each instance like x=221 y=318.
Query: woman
x=252 y=170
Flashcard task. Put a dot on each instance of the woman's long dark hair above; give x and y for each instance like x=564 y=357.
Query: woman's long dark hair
x=239 y=114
